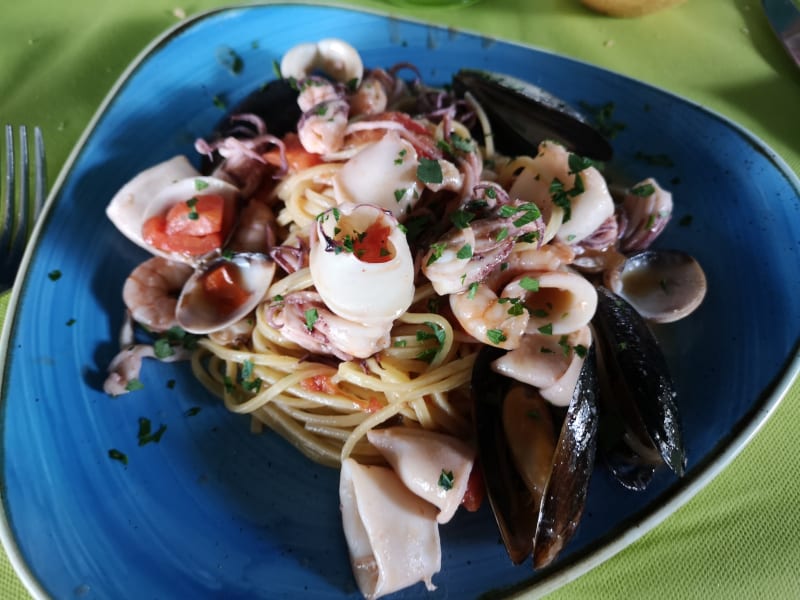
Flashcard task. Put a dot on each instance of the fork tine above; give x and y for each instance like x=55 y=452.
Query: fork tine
x=8 y=193
x=40 y=172
x=18 y=207
x=23 y=196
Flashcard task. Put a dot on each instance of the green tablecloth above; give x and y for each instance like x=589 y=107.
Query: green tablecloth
x=739 y=537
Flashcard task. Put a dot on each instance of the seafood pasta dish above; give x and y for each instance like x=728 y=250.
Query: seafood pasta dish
x=434 y=290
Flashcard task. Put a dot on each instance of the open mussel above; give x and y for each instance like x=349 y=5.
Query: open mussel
x=522 y=115
x=537 y=460
x=640 y=420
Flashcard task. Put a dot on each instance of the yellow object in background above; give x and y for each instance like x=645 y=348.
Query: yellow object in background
x=629 y=8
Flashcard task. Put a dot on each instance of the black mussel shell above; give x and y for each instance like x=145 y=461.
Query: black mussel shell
x=275 y=103
x=523 y=115
x=638 y=395
x=533 y=522
x=506 y=491
x=564 y=497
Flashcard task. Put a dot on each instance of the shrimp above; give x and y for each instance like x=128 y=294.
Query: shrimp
x=303 y=318
x=313 y=91
x=488 y=318
x=322 y=128
x=370 y=98
x=151 y=292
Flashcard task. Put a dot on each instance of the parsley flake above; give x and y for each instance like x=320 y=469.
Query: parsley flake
x=146 y=435
x=115 y=454
x=134 y=385
x=311 y=318
x=465 y=252
x=429 y=171
x=496 y=336
x=446 y=480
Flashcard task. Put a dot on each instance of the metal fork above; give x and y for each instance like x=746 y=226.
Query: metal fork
x=18 y=208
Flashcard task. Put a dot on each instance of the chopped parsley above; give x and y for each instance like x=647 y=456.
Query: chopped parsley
x=429 y=171
x=219 y=102
x=546 y=329
x=446 y=480
x=465 y=252
x=496 y=336
x=437 y=333
x=473 y=289
x=311 y=318
x=192 y=204
x=530 y=284
x=602 y=116
x=54 y=275
x=644 y=190
x=162 y=348
x=133 y=385
x=146 y=434
x=436 y=253
x=115 y=454
x=462 y=218
x=200 y=185
x=578 y=163
x=228 y=58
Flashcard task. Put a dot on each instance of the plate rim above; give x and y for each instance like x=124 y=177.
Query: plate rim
x=619 y=538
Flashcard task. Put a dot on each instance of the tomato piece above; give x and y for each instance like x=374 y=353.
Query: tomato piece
x=197 y=216
x=319 y=383
x=224 y=288
x=473 y=495
x=373 y=405
x=154 y=232
x=297 y=157
x=372 y=246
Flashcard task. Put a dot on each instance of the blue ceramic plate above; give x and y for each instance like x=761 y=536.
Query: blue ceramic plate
x=214 y=511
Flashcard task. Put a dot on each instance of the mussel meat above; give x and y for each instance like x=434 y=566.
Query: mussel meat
x=536 y=460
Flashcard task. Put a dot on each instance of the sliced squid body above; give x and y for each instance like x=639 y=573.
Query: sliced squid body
x=435 y=466
x=392 y=534
x=353 y=288
x=564 y=302
x=547 y=362
x=128 y=207
x=384 y=174
x=588 y=210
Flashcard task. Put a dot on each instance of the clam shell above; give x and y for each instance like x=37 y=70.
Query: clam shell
x=181 y=191
x=202 y=308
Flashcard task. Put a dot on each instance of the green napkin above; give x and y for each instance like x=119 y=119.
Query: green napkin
x=738 y=538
